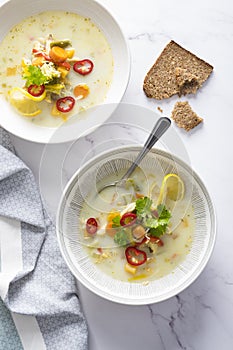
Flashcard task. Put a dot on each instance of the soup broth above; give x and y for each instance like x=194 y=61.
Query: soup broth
x=163 y=256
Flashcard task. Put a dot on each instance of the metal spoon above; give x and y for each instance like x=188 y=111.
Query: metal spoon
x=159 y=129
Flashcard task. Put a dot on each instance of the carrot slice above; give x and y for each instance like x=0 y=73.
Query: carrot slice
x=58 y=54
x=81 y=91
x=38 y=61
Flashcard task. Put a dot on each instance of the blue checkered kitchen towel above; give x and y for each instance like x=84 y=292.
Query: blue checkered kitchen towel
x=39 y=306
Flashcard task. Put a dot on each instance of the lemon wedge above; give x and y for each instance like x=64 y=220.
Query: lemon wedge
x=25 y=105
x=172 y=188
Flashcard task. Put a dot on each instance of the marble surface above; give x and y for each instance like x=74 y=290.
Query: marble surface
x=201 y=317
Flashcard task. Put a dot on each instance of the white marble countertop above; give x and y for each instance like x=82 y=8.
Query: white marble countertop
x=201 y=317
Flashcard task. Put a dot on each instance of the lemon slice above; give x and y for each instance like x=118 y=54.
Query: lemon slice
x=24 y=105
x=172 y=188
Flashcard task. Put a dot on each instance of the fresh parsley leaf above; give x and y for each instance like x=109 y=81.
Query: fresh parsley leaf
x=116 y=221
x=143 y=206
x=34 y=76
x=158 y=231
x=159 y=227
x=121 y=238
x=156 y=225
x=152 y=222
x=163 y=213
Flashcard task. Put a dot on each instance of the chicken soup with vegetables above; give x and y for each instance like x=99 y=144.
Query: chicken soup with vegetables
x=54 y=65
x=141 y=232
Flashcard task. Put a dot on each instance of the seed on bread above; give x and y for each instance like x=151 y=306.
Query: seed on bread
x=184 y=116
x=176 y=71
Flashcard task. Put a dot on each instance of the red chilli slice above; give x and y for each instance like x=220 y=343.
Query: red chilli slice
x=65 y=104
x=83 y=67
x=128 y=219
x=91 y=226
x=36 y=90
x=135 y=256
x=157 y=240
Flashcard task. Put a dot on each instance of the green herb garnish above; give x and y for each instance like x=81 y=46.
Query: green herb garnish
x=121 y=238
x=143 y=207
x=157 y=224
x=34 y=76
x=116 y=221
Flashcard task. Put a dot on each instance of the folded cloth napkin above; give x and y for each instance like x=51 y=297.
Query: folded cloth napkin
x=39 y=305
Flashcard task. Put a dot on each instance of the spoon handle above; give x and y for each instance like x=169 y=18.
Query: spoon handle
x=159 y=129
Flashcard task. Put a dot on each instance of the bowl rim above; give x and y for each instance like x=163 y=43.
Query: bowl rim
x=128 y=300
x=44 y=134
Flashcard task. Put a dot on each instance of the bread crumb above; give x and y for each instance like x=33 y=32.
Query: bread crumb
x=163 y=80
x=160 y=109
x=184 y=116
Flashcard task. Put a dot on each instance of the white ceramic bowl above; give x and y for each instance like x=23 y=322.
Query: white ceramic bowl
x=89 y=274
x=13 y=12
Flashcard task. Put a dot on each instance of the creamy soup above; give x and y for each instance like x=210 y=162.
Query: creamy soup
x=131 y=235
x=88 y=43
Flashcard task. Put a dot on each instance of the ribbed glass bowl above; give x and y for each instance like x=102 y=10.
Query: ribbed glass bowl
x=68 y=215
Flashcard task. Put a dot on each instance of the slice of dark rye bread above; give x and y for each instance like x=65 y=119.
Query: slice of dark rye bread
x=174 y=66
x=184 y=116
